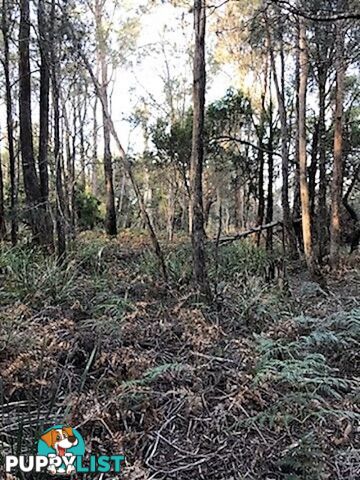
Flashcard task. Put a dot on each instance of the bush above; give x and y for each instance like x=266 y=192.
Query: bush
x=87 y=209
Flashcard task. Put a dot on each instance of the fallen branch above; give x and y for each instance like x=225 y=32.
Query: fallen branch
x=239 y=236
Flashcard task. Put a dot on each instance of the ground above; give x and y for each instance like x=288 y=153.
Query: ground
x=262 y=384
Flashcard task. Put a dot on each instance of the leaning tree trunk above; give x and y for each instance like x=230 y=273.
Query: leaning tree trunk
x=125 y=160
x=304 y=188
x=336 y=185
x=110 y=220
x=36 y=212
x=197 y=153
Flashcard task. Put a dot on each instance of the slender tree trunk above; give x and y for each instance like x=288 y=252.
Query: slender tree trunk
x=304 y=189
x=60 y=200
x=9 y=123
x=313 y=168
x=197 y=154
x=337 y=180
x=94 y=176
x=44 y=101
x=270 y=200
x=82 y=119
x=37 y=212
x=280 y=93
x=322 y=209
x=261 y=161
x=297 y=202
x=171 y=211
x=110 y=220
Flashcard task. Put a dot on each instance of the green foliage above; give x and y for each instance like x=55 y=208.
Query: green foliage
x=173 y=142
x=154 y=373
x=31 y=275
x=305 y=370
x=107 y=312
x=237 y=260
x=87 y=209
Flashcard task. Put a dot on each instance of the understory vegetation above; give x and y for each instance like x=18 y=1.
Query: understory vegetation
x=263 y=383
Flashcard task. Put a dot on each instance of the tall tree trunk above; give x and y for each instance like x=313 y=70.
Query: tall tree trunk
x=44 y=101
x=337 y=180
x=197 y=153
x=37 y=213
x=60 y=200
x=280 y=94
x=82 y=119
x=9 y=122
x=304 y=189
x=94 y=176
x=270 y=200
x=261 y=161
x=110 y=220
x=296 y=202
x=322 y=223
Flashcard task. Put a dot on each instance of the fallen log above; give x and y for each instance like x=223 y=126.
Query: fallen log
x=240 y=235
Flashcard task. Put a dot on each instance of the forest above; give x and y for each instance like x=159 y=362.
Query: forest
x=179 y=238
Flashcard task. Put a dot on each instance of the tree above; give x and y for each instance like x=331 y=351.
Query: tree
x=101 y=45
x=337 y=179
x=43 y=20
x=304 y=188
x=37 y=212
x=60 y=201
x=285 y=138
x=197 y=154
x=9 y=121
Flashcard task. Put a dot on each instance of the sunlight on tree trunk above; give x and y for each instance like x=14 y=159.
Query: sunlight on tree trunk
x=304 y=188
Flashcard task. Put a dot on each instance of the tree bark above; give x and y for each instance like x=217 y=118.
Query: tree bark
x=110 y=220
x=270 y=200
x=197 y=153
x=36 y=212
x=94 y=176
x=337 y=179
x=322 y=208
x=280 y=94
x=9 y=123
x=44 y=101
x=304 y=188
x=60 y=200
x=261 y=133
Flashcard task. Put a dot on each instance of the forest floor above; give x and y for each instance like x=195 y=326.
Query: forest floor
x=263 y=384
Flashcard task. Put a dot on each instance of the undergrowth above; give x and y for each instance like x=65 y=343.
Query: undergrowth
x=165 y=375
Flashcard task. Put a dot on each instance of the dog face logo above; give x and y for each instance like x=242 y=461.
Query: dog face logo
x=60 y=439
x=61 y=444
